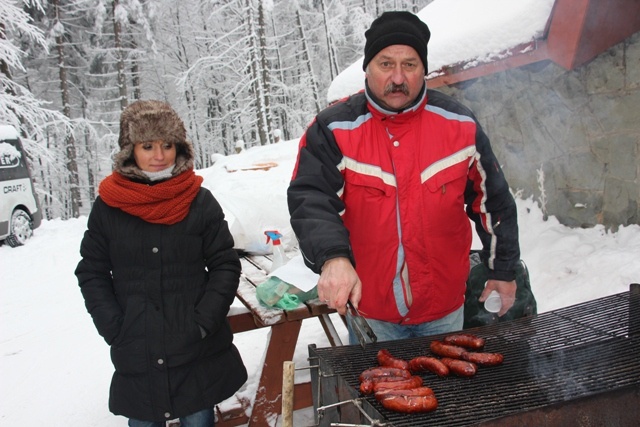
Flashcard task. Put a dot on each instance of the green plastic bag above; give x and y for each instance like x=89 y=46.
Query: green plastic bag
x=474 y=312
x=288 y=302
x=275 y=292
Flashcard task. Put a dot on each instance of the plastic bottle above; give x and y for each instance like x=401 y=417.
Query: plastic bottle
x=279 y=257
x=493 y=303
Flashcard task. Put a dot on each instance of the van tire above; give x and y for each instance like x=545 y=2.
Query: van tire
x=21 y=228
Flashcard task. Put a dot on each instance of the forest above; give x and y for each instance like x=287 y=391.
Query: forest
x=240 y=73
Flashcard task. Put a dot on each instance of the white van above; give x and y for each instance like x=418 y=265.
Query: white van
x=20 y=210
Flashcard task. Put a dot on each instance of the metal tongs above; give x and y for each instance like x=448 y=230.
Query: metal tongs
x=361 y=328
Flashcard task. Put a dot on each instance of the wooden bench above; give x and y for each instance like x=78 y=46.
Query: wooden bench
x=285 y=328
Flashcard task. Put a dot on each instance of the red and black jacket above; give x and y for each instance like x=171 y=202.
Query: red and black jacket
x=389 y=190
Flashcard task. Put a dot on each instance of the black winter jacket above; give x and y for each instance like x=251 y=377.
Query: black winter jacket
x=153 y=291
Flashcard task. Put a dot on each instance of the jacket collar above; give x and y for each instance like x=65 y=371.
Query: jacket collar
x=380 y=112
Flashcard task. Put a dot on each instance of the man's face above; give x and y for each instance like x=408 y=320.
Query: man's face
x=395 y=76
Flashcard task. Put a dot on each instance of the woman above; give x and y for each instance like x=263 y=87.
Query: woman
x=158 y=275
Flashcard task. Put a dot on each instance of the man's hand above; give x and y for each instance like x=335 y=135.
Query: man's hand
x=507 y=291
x=339 y=283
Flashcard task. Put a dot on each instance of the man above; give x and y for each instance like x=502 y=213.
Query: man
x=378 y=194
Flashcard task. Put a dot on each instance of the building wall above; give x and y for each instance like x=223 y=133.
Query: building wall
x=569 y=139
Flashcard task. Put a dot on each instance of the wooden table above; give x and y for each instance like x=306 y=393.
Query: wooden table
x=285 y=328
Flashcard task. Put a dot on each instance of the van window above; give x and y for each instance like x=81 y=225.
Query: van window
x=20 y=210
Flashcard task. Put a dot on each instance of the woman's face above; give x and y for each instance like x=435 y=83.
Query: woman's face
x=154 y=156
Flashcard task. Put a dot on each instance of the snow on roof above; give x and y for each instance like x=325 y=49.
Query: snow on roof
x=462 y=31
x=8 y=132
x=9 y=155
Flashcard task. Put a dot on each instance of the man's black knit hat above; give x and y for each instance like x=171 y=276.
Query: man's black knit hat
x=396 y=28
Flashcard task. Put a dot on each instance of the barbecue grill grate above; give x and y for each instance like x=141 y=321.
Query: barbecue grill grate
x=571 y=353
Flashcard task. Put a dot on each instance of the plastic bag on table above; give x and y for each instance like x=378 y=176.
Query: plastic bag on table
x=274 y=292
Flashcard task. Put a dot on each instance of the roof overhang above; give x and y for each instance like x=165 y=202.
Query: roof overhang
x=577 y=31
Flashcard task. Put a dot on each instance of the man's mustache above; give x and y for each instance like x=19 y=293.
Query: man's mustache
x=394 y=88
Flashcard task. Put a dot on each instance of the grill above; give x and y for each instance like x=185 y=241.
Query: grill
x=576 y=363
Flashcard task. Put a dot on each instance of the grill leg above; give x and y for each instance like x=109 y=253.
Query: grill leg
x=330 y=330
x=634 y=309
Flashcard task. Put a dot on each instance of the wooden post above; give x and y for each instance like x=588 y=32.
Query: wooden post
x=282 y=345
x=288 y=379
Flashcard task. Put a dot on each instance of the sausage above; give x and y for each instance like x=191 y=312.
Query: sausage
x=418 y=391
x=484 y=359
x=403 y=384
x=367 y=385
x=431 y=364
x=470 y=341
x=384 y=371
x=461 y=368
x=410 y=404
x=386 y=359
x=446 y=350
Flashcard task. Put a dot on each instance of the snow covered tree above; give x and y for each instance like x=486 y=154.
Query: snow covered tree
x=259 y=70
x=254 y=71
x=70 y=143
x=18 y=104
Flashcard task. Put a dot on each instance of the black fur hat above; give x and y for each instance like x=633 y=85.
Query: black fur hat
x=151 y=120
x=396 y=28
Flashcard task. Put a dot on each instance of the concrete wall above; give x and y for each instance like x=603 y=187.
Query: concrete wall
x=569 y=139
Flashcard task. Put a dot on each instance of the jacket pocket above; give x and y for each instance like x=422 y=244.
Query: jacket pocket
x=369 y=187
x=124 y=325
x=183 y=346
x=454 y=175
x=128 y=353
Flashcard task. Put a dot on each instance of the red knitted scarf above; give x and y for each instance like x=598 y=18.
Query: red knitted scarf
x=164 y=203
